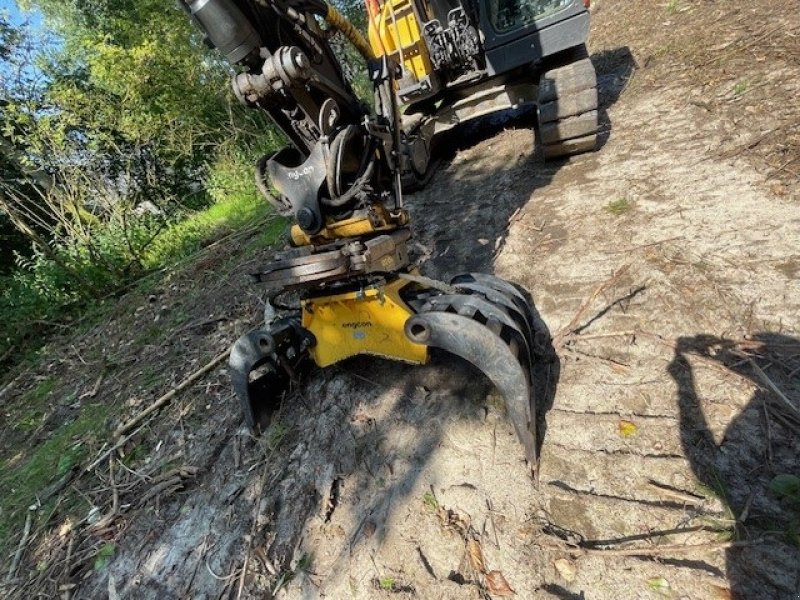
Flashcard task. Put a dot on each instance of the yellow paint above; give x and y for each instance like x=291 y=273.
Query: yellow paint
x=367 y=322
x=379 y=220
x=395 y=31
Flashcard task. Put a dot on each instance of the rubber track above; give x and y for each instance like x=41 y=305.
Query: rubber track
x=568 y=116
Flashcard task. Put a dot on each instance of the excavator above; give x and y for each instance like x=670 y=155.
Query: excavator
x=347 y=286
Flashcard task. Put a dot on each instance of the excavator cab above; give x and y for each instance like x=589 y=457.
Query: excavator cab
x=462 y=59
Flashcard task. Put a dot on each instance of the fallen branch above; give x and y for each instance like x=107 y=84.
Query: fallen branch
x=167 y=398
x=165 y=487
x=573 y=324
x=655 y=550
x=595 y=336
x=771 y=385
x=96 y=388
x=26 y=531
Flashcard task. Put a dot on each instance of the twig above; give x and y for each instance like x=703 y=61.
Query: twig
x=769 y=383
x=594 y=336
x=6 y=354
x=103 y=455
x=67 y=592
x=114 y=490
x=656 y=550
x=572 y=325
x=253 y=528
x=96 y=388
x=26 y=531
x=167 y=398
x=675 y=494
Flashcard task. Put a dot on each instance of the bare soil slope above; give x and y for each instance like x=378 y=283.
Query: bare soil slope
x=665 y=266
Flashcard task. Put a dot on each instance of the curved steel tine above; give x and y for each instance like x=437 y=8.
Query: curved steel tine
x=259 y=398
x=465 y=304
x=472 y=341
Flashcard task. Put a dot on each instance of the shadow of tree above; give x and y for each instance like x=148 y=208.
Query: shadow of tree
x=758 y=444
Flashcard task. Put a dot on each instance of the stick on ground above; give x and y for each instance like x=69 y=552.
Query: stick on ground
x=167 y=398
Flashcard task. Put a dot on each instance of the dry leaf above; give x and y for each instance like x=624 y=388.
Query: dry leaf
x=566 y=568
x=475 y=554
x=720 y=593
x=627 y=428
x=451 y=519
x=497 y=585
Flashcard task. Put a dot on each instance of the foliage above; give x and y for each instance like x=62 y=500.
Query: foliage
x=127 y=154
x=104 y=556
x=786 y=487
x=619 y=207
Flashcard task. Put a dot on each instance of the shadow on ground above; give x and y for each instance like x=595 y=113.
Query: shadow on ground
x=759 y=444
x=353 y=442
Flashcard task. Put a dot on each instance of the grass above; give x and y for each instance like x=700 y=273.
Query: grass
x=34 y=405
x=24 y=476
x=741 y=87
x=619 y=207
x=387 y=583
x=186 y=237
x=150 y=377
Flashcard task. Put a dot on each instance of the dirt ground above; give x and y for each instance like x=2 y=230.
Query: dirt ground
x=665 y=266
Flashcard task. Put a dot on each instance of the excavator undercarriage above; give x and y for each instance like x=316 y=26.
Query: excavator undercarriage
x=347 y=286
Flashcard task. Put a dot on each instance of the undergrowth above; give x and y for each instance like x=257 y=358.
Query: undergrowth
x=72 y=280
x=24 y=476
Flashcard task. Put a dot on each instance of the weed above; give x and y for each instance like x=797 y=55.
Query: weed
x=275 y=435
x=139 y=452
x=304 y=562
x=619 y=207
x=149 y=336
x=150 y=377
x=68 y=460
x=787 y=488
x=430 y=502
x=672 y=7
x=303 y=565
x=387 y=583
x=104 y=556
x=741 y=87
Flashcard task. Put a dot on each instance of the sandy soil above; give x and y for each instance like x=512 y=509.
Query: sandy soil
x=666 y=267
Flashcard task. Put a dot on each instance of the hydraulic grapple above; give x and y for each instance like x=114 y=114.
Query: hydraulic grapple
x=353 y=287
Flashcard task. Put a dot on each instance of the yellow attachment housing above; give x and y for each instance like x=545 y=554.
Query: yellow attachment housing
x=378 y=219
x=370 y=321
x=395 y=31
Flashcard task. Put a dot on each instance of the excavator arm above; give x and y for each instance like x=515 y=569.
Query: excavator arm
x=357 y=291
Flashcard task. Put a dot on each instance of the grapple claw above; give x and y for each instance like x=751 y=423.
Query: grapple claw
x=492 y=355
x=262 y=366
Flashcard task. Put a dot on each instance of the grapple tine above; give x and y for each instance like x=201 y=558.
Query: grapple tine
x=489 y=311
x=474 y=343
x=512 y=305
x=259 y=372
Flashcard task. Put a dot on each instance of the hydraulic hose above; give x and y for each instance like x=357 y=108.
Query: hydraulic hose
x=339 y=22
